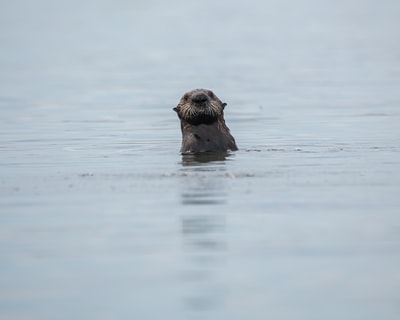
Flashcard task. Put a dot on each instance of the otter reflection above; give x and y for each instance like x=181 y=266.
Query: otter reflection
x=205 y=183
x=203 y=228
x=204 y=246
x=205 y=157
x=203 y=191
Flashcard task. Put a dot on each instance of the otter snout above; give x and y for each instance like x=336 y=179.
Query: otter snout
x=199 y=98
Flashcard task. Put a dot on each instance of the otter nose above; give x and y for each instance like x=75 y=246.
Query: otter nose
x=199 y=97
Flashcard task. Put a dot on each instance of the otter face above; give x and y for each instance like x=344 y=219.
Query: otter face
x=200 y=106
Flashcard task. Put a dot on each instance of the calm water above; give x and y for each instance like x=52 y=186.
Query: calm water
x=102 y=218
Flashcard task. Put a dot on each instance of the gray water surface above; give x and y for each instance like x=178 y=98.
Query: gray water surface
x=102 y=218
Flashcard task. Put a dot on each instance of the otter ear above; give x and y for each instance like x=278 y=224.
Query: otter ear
x=223 y=105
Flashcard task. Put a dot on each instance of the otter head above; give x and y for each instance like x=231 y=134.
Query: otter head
x=200 y=106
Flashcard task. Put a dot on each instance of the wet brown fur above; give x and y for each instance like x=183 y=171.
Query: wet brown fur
x=202 y=123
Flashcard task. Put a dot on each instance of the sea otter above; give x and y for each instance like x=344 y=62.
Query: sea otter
x=202 y=123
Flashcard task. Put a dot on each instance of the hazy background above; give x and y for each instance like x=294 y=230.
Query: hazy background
x=102 y=218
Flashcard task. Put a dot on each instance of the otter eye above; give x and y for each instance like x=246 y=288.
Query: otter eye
x=211 y=94
x=186 y=96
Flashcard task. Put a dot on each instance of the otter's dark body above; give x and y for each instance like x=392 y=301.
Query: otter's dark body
x=202 y=123
x=213 y=137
